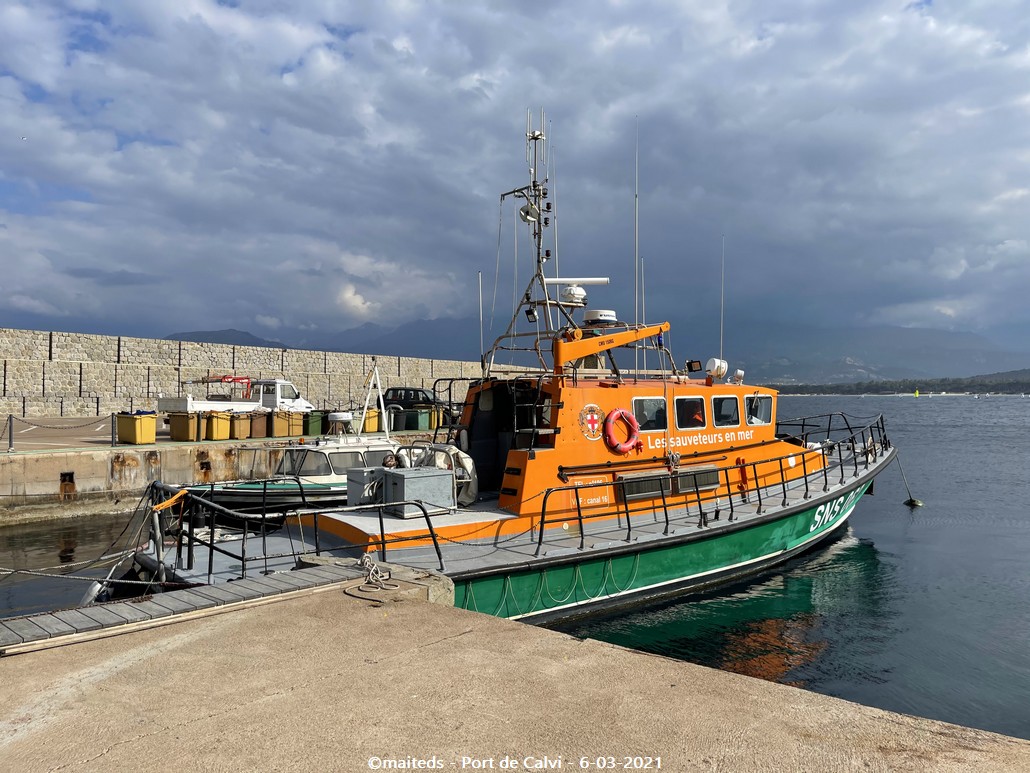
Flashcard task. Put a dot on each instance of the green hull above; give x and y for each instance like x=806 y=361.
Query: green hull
x=571 y=584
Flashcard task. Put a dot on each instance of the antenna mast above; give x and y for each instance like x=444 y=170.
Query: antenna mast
x=722 y=295
x=636 y=244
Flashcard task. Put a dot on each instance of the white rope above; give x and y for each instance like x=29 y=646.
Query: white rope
x=375 y=578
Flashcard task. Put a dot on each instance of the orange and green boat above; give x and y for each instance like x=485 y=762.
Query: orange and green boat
x=578 y=476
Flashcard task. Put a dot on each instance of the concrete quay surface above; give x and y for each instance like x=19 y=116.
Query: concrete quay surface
x=335 y=681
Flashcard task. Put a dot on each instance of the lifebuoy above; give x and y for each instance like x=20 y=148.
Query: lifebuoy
x=632 y=441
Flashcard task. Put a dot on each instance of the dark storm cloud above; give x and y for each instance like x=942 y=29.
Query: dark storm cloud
x=280 y=167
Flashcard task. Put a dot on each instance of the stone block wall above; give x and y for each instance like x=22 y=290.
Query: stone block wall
x=76 y=374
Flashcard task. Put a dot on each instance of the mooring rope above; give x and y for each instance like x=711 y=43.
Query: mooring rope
x=376 y=579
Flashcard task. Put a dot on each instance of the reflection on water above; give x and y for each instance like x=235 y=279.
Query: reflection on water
x=773 y=629
x=63 y=550
x=772 y=649
x=66 y=549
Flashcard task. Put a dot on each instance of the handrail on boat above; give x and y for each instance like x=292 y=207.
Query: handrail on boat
x=869 y=442
x=211 y=487
x=194 y=507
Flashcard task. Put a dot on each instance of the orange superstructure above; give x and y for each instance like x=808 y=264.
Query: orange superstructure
x=551 y=432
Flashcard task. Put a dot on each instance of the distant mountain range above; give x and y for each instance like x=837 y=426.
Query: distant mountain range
x=808 y=354
x=230 y=336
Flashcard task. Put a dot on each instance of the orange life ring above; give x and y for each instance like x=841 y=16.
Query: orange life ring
x=632 y=441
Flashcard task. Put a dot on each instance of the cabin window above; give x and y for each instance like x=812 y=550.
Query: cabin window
x=268 y=389
x=485 y=400
x=726 y=411
x=344 y=460
x=650 y=413
x=758 y=409
x=375 y=458
x=289 y=392
x=288 y=464
x=312 y=463
x=690 y=412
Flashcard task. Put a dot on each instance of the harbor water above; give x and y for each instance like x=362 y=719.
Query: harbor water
x=923 y=611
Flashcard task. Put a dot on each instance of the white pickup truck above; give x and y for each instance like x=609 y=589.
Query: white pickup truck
x=274 y=394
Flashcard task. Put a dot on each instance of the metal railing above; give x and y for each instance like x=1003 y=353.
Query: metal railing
x=832 y=437
x=194 y=513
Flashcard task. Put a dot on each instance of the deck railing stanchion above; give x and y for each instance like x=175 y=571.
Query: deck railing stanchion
x=702 y=519
x=543 y=520
x=579 y=518
x=729 y=491
x=382 y=533
x=758 y=487
x=783 y=483
x=625 y=504
x=432 y=535
x=665 y=506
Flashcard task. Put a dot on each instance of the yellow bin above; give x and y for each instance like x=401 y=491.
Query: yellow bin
x=137 y=429
x=296 y=419
x=239 y=426
x=279 y=424
x=217 y=427
x=182 y=426
x=371 y=421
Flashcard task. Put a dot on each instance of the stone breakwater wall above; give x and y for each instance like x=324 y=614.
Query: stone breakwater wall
x=76 y=374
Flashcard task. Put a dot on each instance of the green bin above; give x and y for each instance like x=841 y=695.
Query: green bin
x=314 y=423
x=424 y=417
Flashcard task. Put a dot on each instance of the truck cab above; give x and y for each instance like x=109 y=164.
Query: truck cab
x=281 y=395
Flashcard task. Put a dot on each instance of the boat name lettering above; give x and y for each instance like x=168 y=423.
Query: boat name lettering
x=828 y=511
x=702 y=439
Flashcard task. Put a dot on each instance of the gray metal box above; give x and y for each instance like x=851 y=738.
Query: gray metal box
x=433 y=487
x=361 y=484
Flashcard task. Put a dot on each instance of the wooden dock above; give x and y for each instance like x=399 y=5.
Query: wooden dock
x=33 y=632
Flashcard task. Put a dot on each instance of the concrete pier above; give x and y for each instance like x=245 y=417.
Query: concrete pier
x=336 y=679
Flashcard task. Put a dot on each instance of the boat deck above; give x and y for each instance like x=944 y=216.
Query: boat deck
x=493 y=550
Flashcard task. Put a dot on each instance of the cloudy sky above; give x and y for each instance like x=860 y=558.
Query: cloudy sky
x=294 y=168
